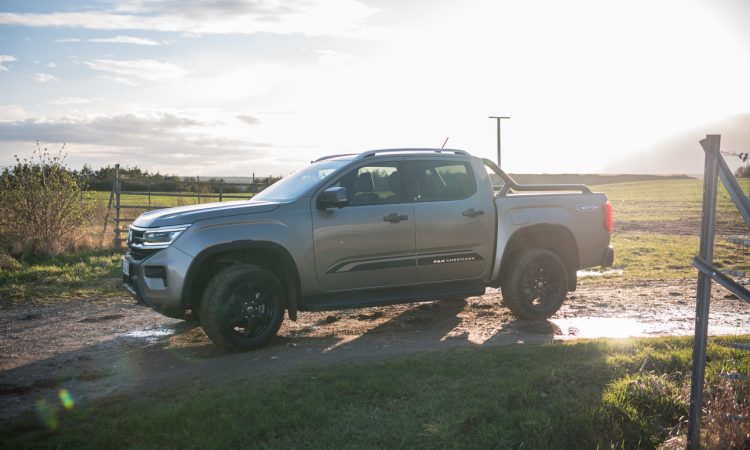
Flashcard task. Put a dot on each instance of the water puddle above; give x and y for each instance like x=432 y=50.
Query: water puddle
x=599 y=273
x=601 y=327
x=150 y=335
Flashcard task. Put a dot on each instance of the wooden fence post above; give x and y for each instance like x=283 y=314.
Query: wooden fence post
x=109 y=208
x=118 y=188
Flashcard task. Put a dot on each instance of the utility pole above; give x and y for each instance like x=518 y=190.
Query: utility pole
x=499 y=143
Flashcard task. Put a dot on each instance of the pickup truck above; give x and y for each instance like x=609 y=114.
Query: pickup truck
x=376 y=228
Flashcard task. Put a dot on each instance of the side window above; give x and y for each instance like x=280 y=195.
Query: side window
x=375 y=184
x=442 y=180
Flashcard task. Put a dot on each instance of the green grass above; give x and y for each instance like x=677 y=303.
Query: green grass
x=668 y=201
x=657 y=227
x=83 y=274
x=191 y=198
x=584 y=394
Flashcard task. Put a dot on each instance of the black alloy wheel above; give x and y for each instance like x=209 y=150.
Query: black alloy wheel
x=536 y=284
x=242 y=307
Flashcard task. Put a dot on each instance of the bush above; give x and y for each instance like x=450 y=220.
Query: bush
x=41 y=208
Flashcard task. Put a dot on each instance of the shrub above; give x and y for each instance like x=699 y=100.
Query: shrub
x=41 y=208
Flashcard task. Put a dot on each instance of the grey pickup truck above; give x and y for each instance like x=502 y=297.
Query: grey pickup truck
x=375 y=228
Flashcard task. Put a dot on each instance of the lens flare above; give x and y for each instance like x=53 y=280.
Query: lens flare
x=47 y=414
x=66 y=399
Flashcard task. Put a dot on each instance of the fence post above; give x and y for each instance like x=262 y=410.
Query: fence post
x=109 y=208
x=118 y=188
x=703 y=296
x=221 y=191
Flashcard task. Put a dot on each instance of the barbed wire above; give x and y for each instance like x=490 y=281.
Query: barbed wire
x=742 y=156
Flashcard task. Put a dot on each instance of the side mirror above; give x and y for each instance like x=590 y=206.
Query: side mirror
x=333 y=197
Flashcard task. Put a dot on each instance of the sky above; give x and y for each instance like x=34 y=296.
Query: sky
x=230 y=87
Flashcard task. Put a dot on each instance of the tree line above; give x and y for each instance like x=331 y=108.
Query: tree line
x=136 y=179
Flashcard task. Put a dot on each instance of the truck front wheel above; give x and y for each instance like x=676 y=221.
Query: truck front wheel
x=535 y=285
x=242 y=307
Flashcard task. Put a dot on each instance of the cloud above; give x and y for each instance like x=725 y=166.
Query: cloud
x=67 y=101
x=4 y=59
x=130 y=71
x=68 y=40
x=125 y=40
x=12 y=112
x=51 y=65
x=136 y=139
x=314 y=17
x=44 y=77
x=332 y=57
x=250 y=120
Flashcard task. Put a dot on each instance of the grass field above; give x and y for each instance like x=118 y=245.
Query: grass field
x=588 y=394
x=167 y=200
x=657 y=228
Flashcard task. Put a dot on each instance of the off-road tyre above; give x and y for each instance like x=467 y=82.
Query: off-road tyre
x=535 y=285
x=242 y=307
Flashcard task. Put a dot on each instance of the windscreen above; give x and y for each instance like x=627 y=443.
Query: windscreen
x=293 y=186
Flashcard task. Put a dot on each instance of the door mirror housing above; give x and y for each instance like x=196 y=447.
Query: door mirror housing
x=333 y=197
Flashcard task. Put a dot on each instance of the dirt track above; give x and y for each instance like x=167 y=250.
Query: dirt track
x=98 y=348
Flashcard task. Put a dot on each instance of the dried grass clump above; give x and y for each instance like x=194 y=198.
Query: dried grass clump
x=726 y=418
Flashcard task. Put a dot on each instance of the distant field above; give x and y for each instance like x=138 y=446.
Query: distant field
x=657 y=229
x=165 y=199
x=590 y=179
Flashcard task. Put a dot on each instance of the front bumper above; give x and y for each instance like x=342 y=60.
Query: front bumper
x=156 y=280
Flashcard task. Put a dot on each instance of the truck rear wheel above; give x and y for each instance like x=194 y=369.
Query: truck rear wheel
x=535 y=285
x=242 y=307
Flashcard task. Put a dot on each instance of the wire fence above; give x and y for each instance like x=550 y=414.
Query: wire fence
x=130 y=198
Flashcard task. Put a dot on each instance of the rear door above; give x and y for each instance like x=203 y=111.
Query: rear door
x=454 y=220
x=369 y=243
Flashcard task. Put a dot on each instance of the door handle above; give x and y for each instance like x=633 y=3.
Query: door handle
x=471 y=212
x=395 y=218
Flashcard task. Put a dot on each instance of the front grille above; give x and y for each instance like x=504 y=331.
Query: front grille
x=135 y=236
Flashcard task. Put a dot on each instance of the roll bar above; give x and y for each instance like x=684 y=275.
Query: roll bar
x=510 y=183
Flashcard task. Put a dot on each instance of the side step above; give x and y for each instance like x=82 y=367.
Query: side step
x=391 y=296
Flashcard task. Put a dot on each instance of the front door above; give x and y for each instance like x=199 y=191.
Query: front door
x=369 y=243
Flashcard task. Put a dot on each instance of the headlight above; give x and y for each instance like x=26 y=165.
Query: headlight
x=155 y=237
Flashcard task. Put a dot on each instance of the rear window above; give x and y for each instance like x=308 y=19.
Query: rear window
x=442 y=180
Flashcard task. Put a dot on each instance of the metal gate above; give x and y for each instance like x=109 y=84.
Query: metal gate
x=715 y=167
x=119 y=201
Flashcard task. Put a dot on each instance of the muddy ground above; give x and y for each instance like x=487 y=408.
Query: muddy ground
x=97 y=348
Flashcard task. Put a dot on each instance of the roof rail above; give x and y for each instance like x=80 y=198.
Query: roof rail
x=371 y=153
x=323 y=158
